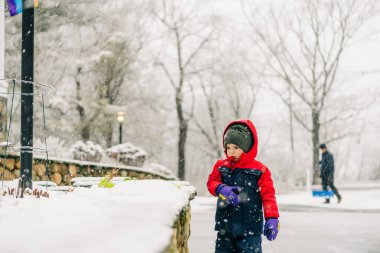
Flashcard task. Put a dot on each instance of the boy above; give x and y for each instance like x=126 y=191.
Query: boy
x=244 y=187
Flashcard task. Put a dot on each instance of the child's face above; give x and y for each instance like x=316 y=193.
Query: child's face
x=234 y=151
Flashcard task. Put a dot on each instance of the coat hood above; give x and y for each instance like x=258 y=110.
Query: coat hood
x=252 y=153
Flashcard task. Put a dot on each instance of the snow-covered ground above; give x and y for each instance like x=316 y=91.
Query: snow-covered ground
x=134 y=216
x=307 y=225
x=358 y=198
x=361 y=199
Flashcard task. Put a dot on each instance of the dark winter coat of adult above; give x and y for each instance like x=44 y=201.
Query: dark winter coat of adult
x=327 y=172
x=327 y=167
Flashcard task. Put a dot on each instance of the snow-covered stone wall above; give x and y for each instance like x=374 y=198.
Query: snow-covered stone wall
x=181 y=232
x=61 y=171
x=144 y=216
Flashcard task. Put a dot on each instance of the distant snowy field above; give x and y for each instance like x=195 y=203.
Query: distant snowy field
x=134 y=216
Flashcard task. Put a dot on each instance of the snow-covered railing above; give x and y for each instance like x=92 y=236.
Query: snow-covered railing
x=62 y=171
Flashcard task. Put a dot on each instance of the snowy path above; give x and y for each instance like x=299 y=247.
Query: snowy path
x=202 y=236
x=320 y=231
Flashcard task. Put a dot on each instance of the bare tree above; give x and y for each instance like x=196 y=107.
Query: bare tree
x=230 y=87
x=112 y=71
x=102 y=62
x=242 y=86
x=212 y=106
x=187 y=37
x=304 y=51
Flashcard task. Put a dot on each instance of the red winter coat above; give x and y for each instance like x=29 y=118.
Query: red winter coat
x=247 y=162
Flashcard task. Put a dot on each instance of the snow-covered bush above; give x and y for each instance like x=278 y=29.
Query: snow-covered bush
x=87 y=151
x=55 y=146
x=127 y=154
x=161 y=169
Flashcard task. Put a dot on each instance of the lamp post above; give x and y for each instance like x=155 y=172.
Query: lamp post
x=27 y=90
x=120 y=118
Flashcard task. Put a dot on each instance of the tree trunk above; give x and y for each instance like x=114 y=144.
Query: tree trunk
x=181 y=150
x=108 y=138
x=108 y=132
x=219 y=152
x=182 y=138
x=84 y=126
x=291 y=120
x=85 y=132
x=290 y=175
x=292 y=148
x=315 y=141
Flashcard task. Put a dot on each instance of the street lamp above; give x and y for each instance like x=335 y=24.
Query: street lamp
x=120 y=118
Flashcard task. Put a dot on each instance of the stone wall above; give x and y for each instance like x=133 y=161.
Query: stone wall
x=61 y=171
x=181 y=232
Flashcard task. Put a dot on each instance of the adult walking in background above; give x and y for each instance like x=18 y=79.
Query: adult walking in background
x=327 y=172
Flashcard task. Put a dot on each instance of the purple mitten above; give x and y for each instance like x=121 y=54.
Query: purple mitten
x=271 y=228
x=228 y=194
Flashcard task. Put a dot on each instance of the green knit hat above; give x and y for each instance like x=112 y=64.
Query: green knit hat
x=240 y=135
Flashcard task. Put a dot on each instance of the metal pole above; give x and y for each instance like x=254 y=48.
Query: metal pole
x=27 y=89
x=2 y=43
x=3 y=84
x=120 y=132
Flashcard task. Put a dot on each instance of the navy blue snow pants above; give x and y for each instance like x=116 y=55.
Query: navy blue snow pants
x=239 y=244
